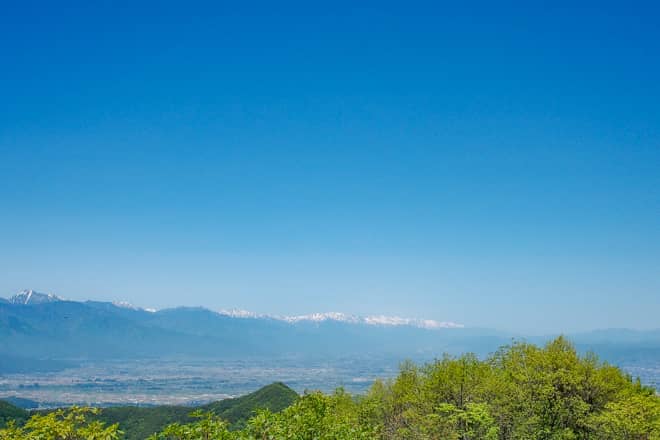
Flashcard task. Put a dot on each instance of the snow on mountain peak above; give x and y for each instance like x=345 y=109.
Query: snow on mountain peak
x=380 y=320
x=238 y=313
x=30 y=296
x=320 y=317
x=420 y=323
x=127 y=305
x=376 y=320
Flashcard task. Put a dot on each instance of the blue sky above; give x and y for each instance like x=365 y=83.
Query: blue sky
x=493 y=165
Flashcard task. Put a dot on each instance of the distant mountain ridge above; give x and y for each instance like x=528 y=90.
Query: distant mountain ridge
x=40 y=328
x=31 y=297
x=351 y=319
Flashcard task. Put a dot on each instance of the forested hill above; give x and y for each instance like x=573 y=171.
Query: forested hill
x=10 y=412
x=274 y=397
x=138 y=423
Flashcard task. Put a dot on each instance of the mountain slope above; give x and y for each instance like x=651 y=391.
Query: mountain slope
x=22 y=403
x=139 y=423
x=10 y=412
x=274 y=397
x=72 y=330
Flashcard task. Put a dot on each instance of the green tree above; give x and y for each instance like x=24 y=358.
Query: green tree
x=636 y=417
x=207 y=427
x=71 y=424
x=315 y=417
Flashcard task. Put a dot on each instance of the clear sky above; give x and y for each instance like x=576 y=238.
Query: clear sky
x=496 y=165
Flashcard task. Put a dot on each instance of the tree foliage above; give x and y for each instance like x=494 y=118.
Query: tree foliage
x=71 y=424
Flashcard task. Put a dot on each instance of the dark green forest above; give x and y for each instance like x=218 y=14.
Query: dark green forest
x=520 y=392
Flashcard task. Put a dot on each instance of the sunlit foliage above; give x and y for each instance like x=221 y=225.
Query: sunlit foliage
x=72 y=424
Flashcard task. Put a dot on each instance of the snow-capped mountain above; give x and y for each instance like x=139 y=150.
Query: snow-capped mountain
x=98 y=330
x=238 y=313
x=36 y=326
x=29 y=297
x=414 y=322
x=127 y=305
x=378 y=320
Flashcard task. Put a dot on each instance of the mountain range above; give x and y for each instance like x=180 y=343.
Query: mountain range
x=37 y=329
x=31 y=297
